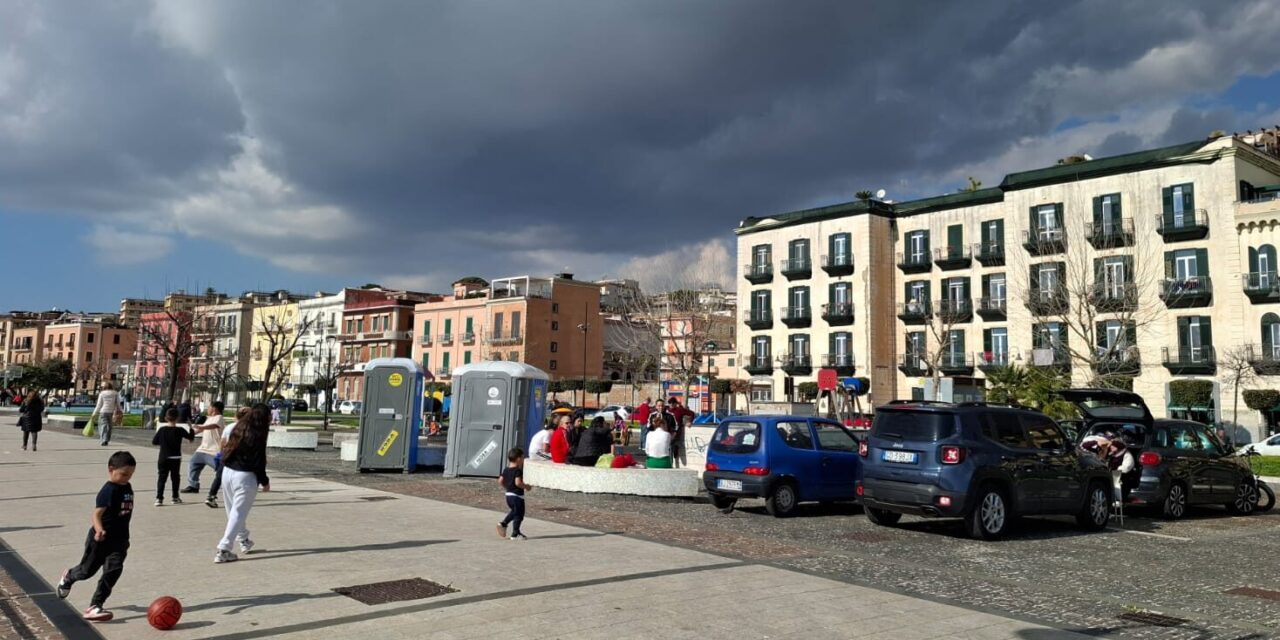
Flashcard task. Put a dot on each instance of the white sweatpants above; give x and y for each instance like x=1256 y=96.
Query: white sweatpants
x=239 y=489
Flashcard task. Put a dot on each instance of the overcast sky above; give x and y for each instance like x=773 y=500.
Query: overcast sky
x=147 y=146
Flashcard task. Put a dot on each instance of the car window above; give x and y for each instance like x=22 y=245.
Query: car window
x=833 y=437
x=795 y=434
x=1004 y=428
x=736 y=436
x=1043 y=433
x=1184 y=438
x=1208 y=441
x=1275 y=440
x=928 y=426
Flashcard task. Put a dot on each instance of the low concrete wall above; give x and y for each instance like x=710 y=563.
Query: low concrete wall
x=678 y=483
x=293 y=438
x=68 y=422
x=429 y=455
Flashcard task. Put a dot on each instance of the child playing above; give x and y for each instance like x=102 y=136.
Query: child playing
x=512 y=480
x=107 y=544
x=169 y=436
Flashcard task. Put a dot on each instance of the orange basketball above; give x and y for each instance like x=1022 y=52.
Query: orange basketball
x=164 y=612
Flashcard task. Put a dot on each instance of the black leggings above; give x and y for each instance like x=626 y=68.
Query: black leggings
x=516 y=514
x=34 y=435
x=217 y=481
x=100 y=555
x=168 y=469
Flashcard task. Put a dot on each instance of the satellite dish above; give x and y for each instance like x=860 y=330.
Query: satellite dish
x=880 y=194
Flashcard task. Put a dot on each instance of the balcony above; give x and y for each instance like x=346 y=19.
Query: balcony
x=952 y=258
x=1191 y=225
x=445 y=339
x=838 y=314
x=1109 y=235
x=915 y=312
x=1261 y=287
x=1051 y=357
x=954 y=311
x=797 y=268
x=795 y=317
x=796 y=364
x=443 y=372
x=989 y=254
x=842 y=362
x=758 y=365
x=758 y=318
x=913 y=363
x=993 y=308
x=1043 y=242
x=468 y=338
x=1047 y=302
x=956 y=363
x=840 y=264
x=1118 y=360
x=914 y=262
x=758 y=273
x=1190 y=360
x=1182 y=293
x=503 y=339
x=1110 y=298
x=214 y=330
x=1265 y=358
x=989 y=361
x=425 y=340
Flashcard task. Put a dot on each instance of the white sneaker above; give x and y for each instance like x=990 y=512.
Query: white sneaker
x=96 y=614
x=246 y=546
x=159 y=502
x=224 y=556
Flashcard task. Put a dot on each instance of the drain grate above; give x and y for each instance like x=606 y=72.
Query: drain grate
x=556 y=509
x=377 y=498
x=1252 y=592
x=1153 y=619
x=868 y=536
x=395 y=591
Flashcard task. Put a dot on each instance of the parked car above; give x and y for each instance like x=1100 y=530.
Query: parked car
x=986 y=464
x=1268 y=447
x=784 y=459
x=299 y=404
x=350 y=407
x=1179 y=462
x=612 y=412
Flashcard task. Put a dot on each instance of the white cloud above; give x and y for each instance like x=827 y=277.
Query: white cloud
x=709 y=263
x=121 y=247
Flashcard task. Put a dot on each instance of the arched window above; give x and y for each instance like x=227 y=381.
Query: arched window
x=1262 y=262
x=1271 y=335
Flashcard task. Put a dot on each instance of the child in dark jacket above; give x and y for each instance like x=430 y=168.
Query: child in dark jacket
x=169 y=436
x=107 y=544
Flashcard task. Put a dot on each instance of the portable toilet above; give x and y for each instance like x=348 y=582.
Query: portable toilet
x=495 y=406
x=391 y=416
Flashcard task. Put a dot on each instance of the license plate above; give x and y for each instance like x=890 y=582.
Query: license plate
x=729 y=485
x=898 y=456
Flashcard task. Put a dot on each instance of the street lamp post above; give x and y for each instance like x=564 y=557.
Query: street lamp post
x=583 y=328
x=328 y=377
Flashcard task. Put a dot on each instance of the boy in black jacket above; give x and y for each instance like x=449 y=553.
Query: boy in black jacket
x=169 y=437
x=108 y=542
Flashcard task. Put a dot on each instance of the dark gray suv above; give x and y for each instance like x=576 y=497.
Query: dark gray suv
x=987 y=464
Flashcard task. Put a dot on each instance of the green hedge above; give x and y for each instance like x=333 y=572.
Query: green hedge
x=1191 y=393
x=1260 y=399
x=720 y=385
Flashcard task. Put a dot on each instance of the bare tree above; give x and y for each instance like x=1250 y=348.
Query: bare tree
x=1235 y=367
x=684 y=325
x=279 y=335
x=173 y=339
x=223 y=372
x=945 y=315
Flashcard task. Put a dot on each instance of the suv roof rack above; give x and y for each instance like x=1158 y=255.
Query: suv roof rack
x=938 y=402
x=1011 y=405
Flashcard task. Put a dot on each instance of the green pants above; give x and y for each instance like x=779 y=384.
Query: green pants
x=658 y=463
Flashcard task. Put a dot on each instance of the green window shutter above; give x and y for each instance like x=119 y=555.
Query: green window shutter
x=1062 y=222
x=469 y=326
x=466 y=357
x=928 y=293
x=958 y=341
x=1202 y=262
x=1253 y=260
x=831 y=292
x=1268 y=320
x=955 y=237
x=1270 y=252
x=1100 y=335
x=1061 y=268
x=1032 y=223
x=1000 y=231
x=831 y=248
x=1168 y=264
x=1189 y=197
x=986 y=284
x=1184 y=330
x=426 y=327
x=1035 y=277
x=1097 y=211
x=446 y=361
x=1129 y=273
x=906 y=292
x=1131 y=334
x=448 y=327
x=426 y=362
x=964 y=284
x=926 y=244
x=1097 y=270
x=1167 y=199
x=986 y=341
x=1206 y=331
x=1116 y=214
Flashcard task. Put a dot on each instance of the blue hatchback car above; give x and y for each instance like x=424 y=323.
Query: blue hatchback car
x=784 y=459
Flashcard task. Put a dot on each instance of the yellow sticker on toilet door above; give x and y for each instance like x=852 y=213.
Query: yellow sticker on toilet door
x=395 y=379
x=386 y=444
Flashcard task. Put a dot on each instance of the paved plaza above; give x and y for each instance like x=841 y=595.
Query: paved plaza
x=316 y=535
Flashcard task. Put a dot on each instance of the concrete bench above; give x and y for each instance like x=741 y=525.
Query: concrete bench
x=429 y=455
x=76 y=422
x=678 y=483
x=293 y=438
x=339 y=438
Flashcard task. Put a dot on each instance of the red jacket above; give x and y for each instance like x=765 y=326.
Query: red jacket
x=642 y=415
x=560 y=446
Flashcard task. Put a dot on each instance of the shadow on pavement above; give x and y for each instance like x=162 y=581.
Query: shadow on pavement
x=381 y=546
x=233 y=605
x=579 y=535
x=14 y=529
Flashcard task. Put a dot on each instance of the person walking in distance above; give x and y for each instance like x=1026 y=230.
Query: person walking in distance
x=212 y=500
x=169 y=436
x=107 y=544
x=31 y=419
x=210 y=445
x=244 y=470
x=512 y=481
x=105 y=412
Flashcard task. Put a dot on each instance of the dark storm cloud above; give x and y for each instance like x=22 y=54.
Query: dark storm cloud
x=610 y=126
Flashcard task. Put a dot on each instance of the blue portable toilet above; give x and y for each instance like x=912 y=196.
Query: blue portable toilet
x=391 y=416
x=495 y=406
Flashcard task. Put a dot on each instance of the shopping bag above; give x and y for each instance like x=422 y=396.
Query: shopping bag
x=88 y=428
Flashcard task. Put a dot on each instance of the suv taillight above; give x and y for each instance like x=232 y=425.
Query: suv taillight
x=1149 y=459
x=863 y=448
x=952 y=454
x=711 y=466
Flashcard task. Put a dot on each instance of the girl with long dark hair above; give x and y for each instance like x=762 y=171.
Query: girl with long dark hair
x=244 y=470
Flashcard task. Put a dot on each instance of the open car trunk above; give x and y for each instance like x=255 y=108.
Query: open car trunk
x=1122 y=414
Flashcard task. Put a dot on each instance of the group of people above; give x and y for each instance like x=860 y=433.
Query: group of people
x=237 y=451
x=569 y=440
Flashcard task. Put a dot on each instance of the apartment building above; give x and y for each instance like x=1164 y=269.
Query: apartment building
x=153 y=370
x=318 y=349
x=132 y=309
x=376 y=323
x=222 y=337
x=552 y=323
x=19 y=341
x=97 y=348
x=274 y=329
x=1138 y=269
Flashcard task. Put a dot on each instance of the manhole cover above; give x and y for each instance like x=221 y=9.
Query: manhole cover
x=1265 y=594
x=377 y=498
x=868 y=536
x=395 y=591
x=556 y=509
x=1153 y=619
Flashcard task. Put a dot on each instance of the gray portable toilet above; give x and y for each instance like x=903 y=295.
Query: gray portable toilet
x=496 y=406
x=391 y=416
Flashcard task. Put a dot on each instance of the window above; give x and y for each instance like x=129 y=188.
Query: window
x=466 y=357
x=799 y=344
x=1271 y=336
x=731 y=362
x=833 y=437
x=761 y=393
x=555 y=347
x=761 y=256
x=913 y=425
x=445 y=363
x=993 y=235
x=799 y=300
x=955 y=240
x=115 y=339
x=426 y=327
x=736 y=436
x=1004 y=428
x=87 y=338
x=995 y=345
x=917 y=295
x=1043 y=433
x=795 y=434
x=917 y=246
x=1047 y=277
x=1047 y=220
x=711 y=362
x=555 y=325
x=553 y=365
x=514 y=356
x=841 y=347
x=88 y=356
x=761 y=349
x=996 y=288
x=1183 y=436
x=115 y=355
x=426 y=362
x=515 y=324
x=1185 y=264
x=1195 y=336
x=1106 y=214
x=470 y=330
x=497 y=325
x=1114 y=272
x=555 y=307
x=840 y=295
x=955 y=345
x=957 y=291
x=915 y=343
x=840 y=249
x=798 y=253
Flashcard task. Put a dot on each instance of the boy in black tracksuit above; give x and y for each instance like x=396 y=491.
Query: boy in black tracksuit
x=170 y=437
x=107 y=544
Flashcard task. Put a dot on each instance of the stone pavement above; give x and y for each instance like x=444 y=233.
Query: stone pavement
x=315 y=536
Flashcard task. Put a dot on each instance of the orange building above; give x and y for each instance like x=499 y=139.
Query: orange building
x=96 y=349
x=376 y=323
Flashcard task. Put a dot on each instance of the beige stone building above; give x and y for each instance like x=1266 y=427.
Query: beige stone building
x=1137 y=269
